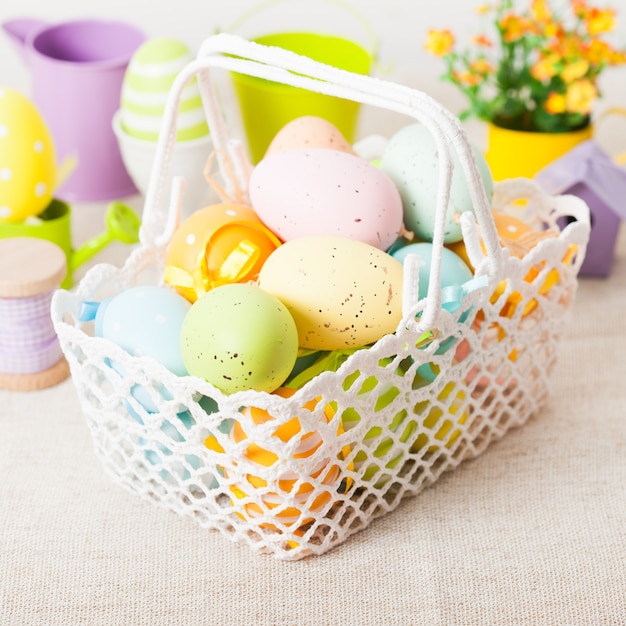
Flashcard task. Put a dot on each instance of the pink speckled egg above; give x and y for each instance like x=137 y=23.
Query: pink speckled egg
x=316 y=191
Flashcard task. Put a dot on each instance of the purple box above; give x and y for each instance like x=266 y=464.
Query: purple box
x=588 y=172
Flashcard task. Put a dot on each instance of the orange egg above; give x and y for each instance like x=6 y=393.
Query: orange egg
x=219 y=244
x=289 y=485
x=509 y=227
x=309 y=131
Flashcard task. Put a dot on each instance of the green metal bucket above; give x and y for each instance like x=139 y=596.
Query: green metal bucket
x=267 y=106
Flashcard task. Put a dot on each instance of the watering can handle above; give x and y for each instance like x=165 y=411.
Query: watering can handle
x=360 y=18
x=19 y=31
x=232 y=53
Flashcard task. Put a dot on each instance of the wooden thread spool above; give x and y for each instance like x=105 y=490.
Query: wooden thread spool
x=30 y=271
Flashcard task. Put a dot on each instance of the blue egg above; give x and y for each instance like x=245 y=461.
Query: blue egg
x=146 y=321
x=454 y=271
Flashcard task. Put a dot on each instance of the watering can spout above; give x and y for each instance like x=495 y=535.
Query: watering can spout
x=122 y=224
x=19 y=30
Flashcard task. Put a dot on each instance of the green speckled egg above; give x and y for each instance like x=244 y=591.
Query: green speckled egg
x=147 y=82
x=239 y=337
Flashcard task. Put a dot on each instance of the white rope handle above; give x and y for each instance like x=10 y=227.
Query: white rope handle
x=232 y=53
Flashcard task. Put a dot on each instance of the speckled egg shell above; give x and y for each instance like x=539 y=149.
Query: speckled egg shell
x=341 y=293
x=309 y=131
x=411 y=160
x=239 y=337
x=315 y=191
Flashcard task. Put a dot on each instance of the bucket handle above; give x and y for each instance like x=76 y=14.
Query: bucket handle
x=620 y=159
x=359 y=17
x=232 y=53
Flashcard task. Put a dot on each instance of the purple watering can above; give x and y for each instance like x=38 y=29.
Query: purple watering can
x=77 y=69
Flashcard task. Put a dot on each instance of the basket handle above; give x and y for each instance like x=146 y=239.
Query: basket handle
x=232 y=53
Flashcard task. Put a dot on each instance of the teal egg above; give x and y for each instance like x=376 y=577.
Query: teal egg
x=454 y=271
x=411 y=160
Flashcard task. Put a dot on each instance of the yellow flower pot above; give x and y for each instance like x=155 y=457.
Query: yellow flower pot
x=515 y=153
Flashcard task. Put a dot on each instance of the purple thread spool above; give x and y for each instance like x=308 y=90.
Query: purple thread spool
x=30 y=355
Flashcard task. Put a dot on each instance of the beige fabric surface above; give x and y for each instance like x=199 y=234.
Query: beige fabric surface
x=531 y=532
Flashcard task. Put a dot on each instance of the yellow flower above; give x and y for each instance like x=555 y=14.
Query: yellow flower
x=439 y=42
x=580 y=96
x=482 y=9
x=545 y=68
x=600 y=21
x=617 y=57
x=599 y=52
x=541 y=11
x=574 y=71
x=482 y=66
x=550 y=29
x=555 y=103
x=513 y=27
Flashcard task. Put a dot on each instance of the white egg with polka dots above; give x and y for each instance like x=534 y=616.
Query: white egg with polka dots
x=28 y=171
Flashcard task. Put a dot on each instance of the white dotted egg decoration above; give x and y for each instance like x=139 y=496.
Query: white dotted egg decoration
x=28 y=172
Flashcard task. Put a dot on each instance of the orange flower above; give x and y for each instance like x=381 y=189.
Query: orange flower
x=600 y=21
x=555 y=103
x=574 y=71
x=482 y=40
x=469 y=79
x=439 y=42
x=580 y=8
x=580 y=96
x=545 y=68
x=568 y=46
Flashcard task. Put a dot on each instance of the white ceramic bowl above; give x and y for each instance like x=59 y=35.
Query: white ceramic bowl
x=188 y=161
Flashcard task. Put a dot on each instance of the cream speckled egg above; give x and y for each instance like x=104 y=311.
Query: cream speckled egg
x=309 y=131
x=28 y=169
x=147 y=82
x=341 y=293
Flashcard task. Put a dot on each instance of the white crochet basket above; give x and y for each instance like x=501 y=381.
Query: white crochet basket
x=351 y=443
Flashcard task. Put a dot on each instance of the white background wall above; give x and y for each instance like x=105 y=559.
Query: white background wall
x=400 y=26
